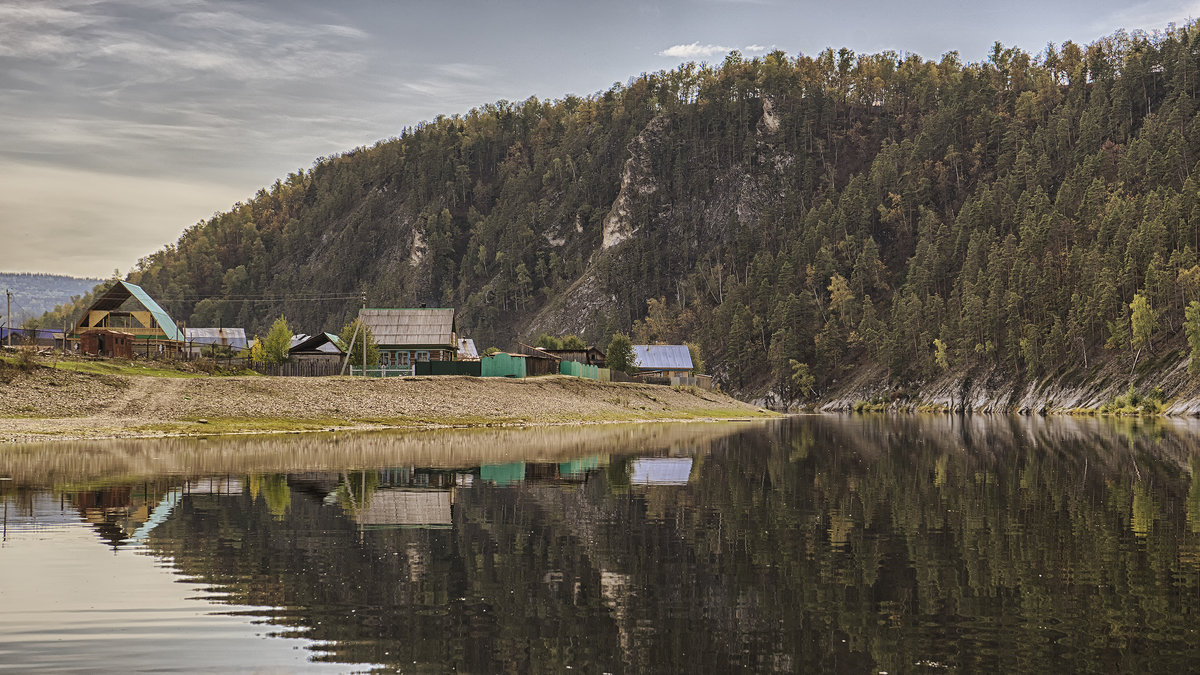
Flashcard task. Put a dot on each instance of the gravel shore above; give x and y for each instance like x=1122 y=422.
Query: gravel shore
x=49 y=404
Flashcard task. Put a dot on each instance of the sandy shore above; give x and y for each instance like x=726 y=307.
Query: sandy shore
x=48 y=404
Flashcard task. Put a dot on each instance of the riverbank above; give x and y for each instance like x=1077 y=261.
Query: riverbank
x=1093 y=389
x=54 y=404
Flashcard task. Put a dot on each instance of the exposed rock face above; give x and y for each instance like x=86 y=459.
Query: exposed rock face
x=576 y=311
x=636 y=180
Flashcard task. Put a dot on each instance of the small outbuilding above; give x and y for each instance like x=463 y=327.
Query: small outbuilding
x=106 y=342
x=663 y=360
x=466 y=350
x=198 y=339
x=589 y=356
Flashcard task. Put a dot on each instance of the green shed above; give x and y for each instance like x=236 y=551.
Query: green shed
x=501 y=364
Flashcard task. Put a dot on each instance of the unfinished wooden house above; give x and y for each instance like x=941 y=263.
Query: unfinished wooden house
x=409 y=336
x=127 y=310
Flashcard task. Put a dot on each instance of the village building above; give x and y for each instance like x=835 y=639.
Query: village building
x=126 y=312
x=201 y=339
x=466 y=349
x=590 y=356
x=663 y=360
x=107 y=342
x=324 y=348
x=409 y=336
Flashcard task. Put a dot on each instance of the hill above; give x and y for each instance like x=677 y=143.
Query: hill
x=36 y=294
x=1020 y=215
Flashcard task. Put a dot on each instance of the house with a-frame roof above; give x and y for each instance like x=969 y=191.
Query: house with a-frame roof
x=124 y=321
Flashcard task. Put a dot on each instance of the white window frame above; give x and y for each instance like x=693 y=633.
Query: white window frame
x=422 y=355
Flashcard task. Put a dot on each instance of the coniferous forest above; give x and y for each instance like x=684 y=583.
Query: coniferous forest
x=1023 y=214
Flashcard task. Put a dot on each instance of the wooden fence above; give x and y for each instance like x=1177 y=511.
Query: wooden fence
x=301 y=369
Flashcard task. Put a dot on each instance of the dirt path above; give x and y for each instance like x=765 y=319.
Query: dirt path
x=48 y=404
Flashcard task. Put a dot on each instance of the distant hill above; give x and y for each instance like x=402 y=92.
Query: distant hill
x=35 y=294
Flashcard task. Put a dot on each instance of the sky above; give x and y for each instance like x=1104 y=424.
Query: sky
x=124 y=122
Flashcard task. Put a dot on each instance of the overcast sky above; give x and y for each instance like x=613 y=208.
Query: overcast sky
x=123 y=122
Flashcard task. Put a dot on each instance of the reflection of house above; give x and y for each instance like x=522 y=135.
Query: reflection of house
x=126 y=308
x=406 y=336
x=502 y=474
x=660 y=470
x=199 y=338
x=406 y=508
x=663 y=360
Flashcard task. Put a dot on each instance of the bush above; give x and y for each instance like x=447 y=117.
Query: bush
x=1134 y=403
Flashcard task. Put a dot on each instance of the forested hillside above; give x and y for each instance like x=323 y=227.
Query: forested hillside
x=836 y=210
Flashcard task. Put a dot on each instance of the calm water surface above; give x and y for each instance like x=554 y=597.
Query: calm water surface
x=823 y=544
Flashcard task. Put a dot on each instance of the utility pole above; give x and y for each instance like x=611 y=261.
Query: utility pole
x=364 y=330
x=8 y=314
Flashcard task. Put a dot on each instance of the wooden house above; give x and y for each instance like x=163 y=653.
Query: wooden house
x=663 y=360
x=590 y=356
x=538 y=361
x=126 y=308
x=409 y=336
x=319 y=348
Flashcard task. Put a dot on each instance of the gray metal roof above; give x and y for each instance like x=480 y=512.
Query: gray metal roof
x=234 y=337
x=413 y=508
x=425 y=327
x=466 y=349
x=663 y=357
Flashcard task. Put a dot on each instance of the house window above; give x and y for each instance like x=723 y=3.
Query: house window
x=422 y=356
x=385 y=359
x=402 y=358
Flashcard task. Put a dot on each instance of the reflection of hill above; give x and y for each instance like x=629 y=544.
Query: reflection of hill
x=100 y=460
x=819 y=545
x=824 y=545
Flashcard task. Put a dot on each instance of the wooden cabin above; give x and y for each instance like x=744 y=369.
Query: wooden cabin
x=590 y=356
x=409 y=336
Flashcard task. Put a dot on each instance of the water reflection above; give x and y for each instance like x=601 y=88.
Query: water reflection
x=858 y=544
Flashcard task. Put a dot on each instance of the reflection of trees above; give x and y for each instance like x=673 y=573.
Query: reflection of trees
x=827 y=545
x=274 y=491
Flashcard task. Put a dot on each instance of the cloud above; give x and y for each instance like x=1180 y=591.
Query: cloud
x=1149 y=15
x=696 y=50
x=100 y=221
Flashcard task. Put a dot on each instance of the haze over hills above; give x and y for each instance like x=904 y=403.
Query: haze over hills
x=837 y=210
x=35 y=294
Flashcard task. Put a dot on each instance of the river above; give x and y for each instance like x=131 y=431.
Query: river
x=855 y=544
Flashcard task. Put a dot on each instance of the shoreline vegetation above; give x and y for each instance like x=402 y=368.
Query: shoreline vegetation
x=79 y=400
